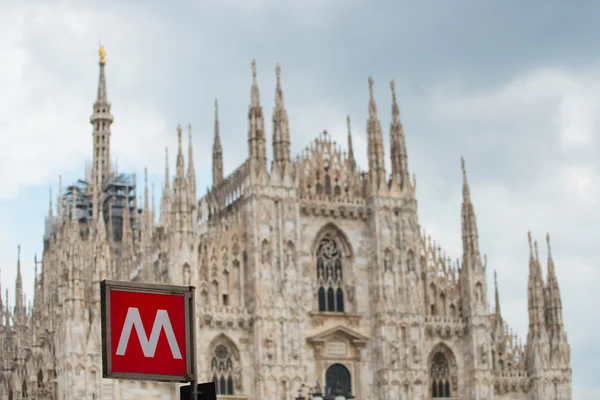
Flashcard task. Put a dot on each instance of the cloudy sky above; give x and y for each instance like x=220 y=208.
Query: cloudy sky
x=512 y=86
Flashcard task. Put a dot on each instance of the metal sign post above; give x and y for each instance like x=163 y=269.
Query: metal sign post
x=205 y=391
x=192 y=307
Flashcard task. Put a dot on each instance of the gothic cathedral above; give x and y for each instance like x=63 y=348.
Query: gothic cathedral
x=308 y=271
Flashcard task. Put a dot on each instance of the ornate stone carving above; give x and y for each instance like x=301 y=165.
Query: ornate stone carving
x=270 y=344
x=416 y=353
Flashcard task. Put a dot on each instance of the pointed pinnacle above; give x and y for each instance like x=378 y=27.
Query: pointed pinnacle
x=50 y=212
x=466 y=188
x=372 y=105
x=254 y=69
x=549 y=247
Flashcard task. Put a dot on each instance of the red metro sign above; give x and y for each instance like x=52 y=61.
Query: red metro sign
x=147 y=331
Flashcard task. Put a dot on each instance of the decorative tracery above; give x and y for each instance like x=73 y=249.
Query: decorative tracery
x=325 y=171
x=222 y=369
x=330 y=276
x=440 y=376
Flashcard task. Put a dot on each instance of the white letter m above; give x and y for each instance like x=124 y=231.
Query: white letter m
x=161 y=321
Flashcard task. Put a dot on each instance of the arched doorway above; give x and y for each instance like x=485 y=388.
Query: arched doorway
x=440 y=376
x=338 y=380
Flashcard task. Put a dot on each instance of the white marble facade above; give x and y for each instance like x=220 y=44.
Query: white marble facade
x=307 y=270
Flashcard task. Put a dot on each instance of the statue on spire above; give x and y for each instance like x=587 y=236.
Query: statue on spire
x=102 y=53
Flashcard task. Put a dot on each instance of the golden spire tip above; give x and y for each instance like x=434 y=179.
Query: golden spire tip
x=102 y=53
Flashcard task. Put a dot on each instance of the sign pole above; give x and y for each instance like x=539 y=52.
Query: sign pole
x=194 y=388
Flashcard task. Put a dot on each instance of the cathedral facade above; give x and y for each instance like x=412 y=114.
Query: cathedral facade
x=308 y=272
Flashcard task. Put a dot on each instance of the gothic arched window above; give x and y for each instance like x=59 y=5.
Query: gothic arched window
x=329 y=276
x=440 y=377
x=221 y=366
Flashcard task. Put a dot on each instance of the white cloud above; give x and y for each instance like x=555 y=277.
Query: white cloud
x=582 y=182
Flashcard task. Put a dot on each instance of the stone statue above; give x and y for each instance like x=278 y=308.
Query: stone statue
x=289 y=257
x=238 y=378
x=294 y=349
x=388 y=291
x=483 y=354
x=265 y=253
x=416 y=354
x=478 y=293
x=350 y=292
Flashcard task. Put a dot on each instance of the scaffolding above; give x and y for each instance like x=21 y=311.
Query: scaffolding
x=118 y=191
